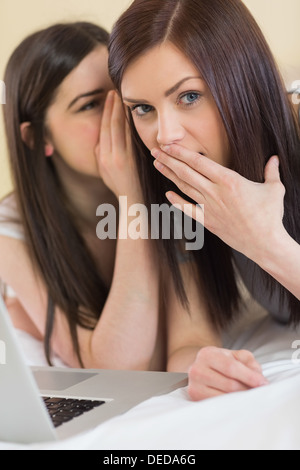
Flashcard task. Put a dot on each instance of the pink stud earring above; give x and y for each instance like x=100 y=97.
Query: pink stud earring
x=48 y=151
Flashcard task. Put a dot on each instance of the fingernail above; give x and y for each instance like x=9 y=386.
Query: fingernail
x=165 y=148
x=169 y=196
x=155 y=153
x=264 y=382
x=159 y=166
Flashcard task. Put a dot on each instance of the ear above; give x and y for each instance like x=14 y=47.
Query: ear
x=27 y=134
x=28 y=139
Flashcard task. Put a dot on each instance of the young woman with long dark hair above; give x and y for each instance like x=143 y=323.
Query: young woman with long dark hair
x=206 y=99
x=96 y=300
x=93 y=301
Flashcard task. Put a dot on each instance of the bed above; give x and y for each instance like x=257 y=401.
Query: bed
x=262 y=419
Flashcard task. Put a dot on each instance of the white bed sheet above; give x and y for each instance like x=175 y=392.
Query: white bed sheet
x=264 y=418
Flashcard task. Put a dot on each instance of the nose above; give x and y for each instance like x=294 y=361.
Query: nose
x=169 y=130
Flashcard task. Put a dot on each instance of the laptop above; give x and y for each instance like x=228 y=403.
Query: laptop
x=42 y=404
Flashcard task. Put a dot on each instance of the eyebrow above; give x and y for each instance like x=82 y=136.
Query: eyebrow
x=86 y=95
x=167 y=93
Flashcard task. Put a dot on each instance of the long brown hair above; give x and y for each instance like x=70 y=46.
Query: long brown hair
x=224 y=42
x=34 y=72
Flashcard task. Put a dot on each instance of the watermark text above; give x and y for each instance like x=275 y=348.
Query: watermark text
x=134 y=222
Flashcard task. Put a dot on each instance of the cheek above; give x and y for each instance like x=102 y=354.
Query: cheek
x=222 y=144
x=78 y=136
x=87 y=134
x=147 y=133
x=214 y=138
x=87 y=129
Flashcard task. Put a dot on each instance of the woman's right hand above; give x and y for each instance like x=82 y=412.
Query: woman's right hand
x=218 y=371
x=114 y=152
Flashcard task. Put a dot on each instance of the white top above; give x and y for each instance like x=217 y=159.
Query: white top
x=10 y=226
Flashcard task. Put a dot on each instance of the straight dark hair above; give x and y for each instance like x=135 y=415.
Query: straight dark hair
x=34 y=72
x=224 y=42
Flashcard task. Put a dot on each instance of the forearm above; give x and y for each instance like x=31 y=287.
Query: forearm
x=281 y=259
x=126 y=332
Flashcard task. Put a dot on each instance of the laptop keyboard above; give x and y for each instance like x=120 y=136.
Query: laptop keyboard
x=62 y=410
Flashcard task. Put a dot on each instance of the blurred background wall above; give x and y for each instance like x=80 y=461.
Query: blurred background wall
x=279 y=20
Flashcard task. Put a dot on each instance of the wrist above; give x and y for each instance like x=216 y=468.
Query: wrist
x=274 y=255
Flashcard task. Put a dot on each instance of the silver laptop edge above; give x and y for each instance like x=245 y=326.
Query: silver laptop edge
x=23 y=415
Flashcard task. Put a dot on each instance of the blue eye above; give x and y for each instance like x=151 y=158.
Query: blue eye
x=141 y=109
x=189 y=98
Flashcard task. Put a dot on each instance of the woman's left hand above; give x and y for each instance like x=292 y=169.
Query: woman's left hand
x=244 y=214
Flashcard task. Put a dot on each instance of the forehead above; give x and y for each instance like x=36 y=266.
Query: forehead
x=157 y=69
x=89 y=74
